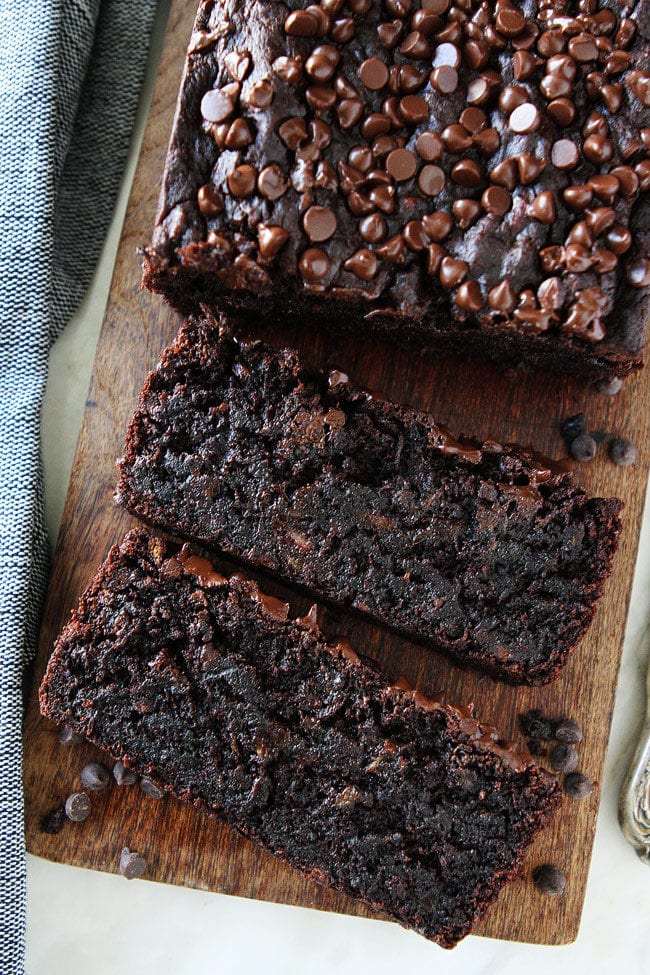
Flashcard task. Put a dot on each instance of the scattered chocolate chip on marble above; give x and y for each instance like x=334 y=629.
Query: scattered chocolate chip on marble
x=564 y=758
x=568 y=731
x=573 y=427
x=53 y=821
x=610 y=387
x=151 y=789
x=549 y=880
x=622 y=451
x=132 y=864
x=95 y=776
x=577 y=786
x=77 y=807
x=536 y=726
x=583 y=448
x=69 y=737
x=124 y=775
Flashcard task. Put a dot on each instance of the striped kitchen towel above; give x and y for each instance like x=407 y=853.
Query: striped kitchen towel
x=70 y=78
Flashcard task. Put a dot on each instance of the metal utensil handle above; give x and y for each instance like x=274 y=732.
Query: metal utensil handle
x=634 y=809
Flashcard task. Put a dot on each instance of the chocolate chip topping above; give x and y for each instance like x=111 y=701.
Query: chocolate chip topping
x=365 y=114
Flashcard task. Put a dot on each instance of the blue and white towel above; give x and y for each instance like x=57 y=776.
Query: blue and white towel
x=70 y=79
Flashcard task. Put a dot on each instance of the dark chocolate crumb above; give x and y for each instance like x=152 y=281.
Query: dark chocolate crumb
x=610 y=387
x=564 y=758
x=54 y=820
x=583 y=448
x=151 y=789
x=622 y=451
x=77 y=807
x=69 y=737
x=577 y=786
x=95 y=776
x=132 y=865
x=535 y=725
x=569 y=731
x=124 y=775
x=549 y=880
x=573 y=427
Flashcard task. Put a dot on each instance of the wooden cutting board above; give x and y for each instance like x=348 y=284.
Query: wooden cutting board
x=183 y=847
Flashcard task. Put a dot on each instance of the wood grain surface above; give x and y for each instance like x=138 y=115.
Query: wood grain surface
x=186 y=848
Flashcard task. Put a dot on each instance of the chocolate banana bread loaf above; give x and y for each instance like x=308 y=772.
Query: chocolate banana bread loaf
x=486 y=552
x=469 y=177
x=206 y=685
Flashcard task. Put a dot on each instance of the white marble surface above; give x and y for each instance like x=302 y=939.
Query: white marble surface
x=81 y=922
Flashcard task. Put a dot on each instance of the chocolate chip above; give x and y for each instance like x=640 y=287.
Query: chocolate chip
x=321 y=63
x=583 y=448
x=446 y=54
x=512 y=97
x=77 y=807
x=363 y=264
x=535 y=725
x=414 y=236
x=132 y=865
x=260 y=95
x=150 y=788
x=597 y=149
x=466 y=212
x=413 y=109
x=473 y=119
x=124 y=775
x=217 y=105
x=564 y=758
x=401 y=164
x=509 y=22
x=444 y=79
x=568 y=730
x=562 y=111
x=502 y=299
x=549 y=880
x=69 y=737
x=565 y=154
x=623 y=452
x=431 y=180
x=456 y=138
x=505 y=174
x=271 y=239
x=301 y=23
x=53 y=821
x=437 y=225
x=349 y=111
x=373 y=73
x=320 y=97
x=416 y=45
x=393 y=250
x=429 y=146
x=237 y=64
x=610 y=387
x=271 y=182
x=577 y=198
x=529 y=168
x=467 y=173
x=314 y=265
x=638 y=273
x=469 y=297
x=289 y=69
x=239 y=135
x=452 y=272
x=525 y=118
x=389 y=34
x=496 y=200
x=543 y=208
x=524 y=65
x=241 y=181
x=342 y=30
x=605 y=186
x=372 y=228
x=618 y=239
x=319 y=223
x=95 y=776
x=577 y=786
